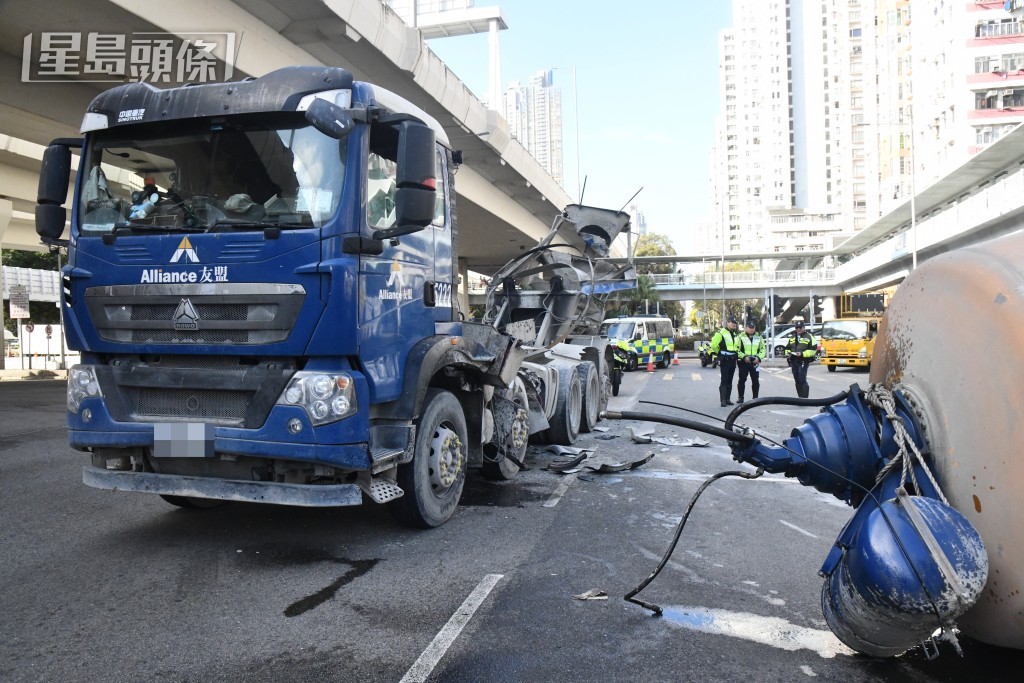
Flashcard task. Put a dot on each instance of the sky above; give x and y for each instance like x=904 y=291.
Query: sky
x=648 y=87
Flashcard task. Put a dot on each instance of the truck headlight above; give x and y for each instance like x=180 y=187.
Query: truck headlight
x=82 y=384
x=863 y=353
x=325 y=397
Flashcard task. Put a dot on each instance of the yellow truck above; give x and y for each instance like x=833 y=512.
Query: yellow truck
x=849 y=342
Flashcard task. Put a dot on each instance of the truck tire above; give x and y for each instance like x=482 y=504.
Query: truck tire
x=190 y=503
x=505 y=469
x=565 y=423
x=831 y=368
x=591 y=386
x=433 y=480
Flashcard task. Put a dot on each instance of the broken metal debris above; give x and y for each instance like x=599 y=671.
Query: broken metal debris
x=609 y=467
x=592 y=594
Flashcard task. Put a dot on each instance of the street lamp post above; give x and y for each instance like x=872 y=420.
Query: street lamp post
x=576 y=117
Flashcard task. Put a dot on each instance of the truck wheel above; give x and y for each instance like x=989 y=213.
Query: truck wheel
x=591 y=386
x=433 y=480
x=831 y=368
x=190 y=503
x=565 y=424
x=505 y=469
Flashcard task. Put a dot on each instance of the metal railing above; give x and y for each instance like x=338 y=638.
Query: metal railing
x=746 y=278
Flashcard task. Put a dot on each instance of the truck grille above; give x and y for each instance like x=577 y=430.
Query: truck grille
x=201 y=404
x=226 y=390
x=243 y=313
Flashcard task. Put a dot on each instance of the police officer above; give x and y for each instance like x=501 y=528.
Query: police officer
x=800 y=351
x=725 y=344
x=752 y=350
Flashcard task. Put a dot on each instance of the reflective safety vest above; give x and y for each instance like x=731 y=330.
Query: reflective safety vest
x=731 y=342
x=802 y=346
x=752 y=346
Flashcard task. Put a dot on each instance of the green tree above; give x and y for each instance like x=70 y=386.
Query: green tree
x=710 y=319
x=653 y=244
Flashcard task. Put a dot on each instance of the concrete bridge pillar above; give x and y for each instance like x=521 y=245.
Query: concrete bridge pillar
x=6 y=210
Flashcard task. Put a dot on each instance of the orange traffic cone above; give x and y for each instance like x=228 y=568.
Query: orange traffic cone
x=650 y=363
x=675 y=358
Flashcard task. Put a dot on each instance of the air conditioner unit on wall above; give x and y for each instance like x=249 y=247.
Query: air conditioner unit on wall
x=1008 y=91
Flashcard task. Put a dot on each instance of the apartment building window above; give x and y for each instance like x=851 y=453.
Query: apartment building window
x=855 y=33
x=986 y=100
x=1003 y=27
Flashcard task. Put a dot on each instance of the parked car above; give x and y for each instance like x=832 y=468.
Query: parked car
x=781 y=339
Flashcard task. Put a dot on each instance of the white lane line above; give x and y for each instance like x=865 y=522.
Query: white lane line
x=667 y=376
x=794 y=527
x=772 y=631
x=695 y=376
x=560 y=491
x=423 y=666
x=692 y=476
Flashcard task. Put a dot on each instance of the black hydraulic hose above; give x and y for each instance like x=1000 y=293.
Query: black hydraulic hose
x=628 y=597
x=726 y=434
x=785 y=401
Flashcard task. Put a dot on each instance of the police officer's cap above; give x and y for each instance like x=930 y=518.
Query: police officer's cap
x=732 y=320
x=799 y=324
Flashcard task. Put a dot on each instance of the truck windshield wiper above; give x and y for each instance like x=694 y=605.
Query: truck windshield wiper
x=230 y=224
x=151 y=227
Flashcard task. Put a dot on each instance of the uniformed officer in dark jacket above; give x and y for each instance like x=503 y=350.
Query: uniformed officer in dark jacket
x=726 y=344
x=800 y=351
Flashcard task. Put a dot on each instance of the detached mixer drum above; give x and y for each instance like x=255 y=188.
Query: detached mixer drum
x=953 y=341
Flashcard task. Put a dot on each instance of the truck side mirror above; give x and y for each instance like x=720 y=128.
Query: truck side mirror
x=416 y=181
x=54 y=176
x=329 y=119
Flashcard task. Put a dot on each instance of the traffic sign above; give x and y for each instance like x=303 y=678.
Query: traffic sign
x=19 y=301
x=29 y=327
x=49 y=331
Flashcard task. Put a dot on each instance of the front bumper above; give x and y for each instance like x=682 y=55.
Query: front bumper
x=854 y=362
x=299 y=495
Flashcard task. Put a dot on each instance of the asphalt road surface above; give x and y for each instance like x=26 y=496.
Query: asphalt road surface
x=105 y=586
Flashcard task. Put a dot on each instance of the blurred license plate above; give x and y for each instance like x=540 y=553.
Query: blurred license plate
x=841 y=361
x=183 y=440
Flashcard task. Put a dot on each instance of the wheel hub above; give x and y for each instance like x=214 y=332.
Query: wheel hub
x=520 y=430
x=446 y=459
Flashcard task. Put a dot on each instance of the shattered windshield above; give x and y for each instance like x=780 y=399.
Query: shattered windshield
x=200 y=175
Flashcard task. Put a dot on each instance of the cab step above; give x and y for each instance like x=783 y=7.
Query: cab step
x=380 y=489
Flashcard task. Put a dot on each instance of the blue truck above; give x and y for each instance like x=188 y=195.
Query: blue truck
x=262 y=280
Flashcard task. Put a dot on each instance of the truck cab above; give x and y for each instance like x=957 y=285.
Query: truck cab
x=849 y=342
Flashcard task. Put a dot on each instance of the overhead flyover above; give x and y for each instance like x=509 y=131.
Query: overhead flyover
x=507 y=201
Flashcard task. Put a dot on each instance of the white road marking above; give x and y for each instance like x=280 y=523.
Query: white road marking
x=808 y=670
x=691 y=476
x=563 y=486
x=794 y=527
x=765 y=630
x=667 y=376
x=695 y=376
x=423 y=666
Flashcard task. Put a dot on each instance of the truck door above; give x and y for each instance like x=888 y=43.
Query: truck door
x=392 y=285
